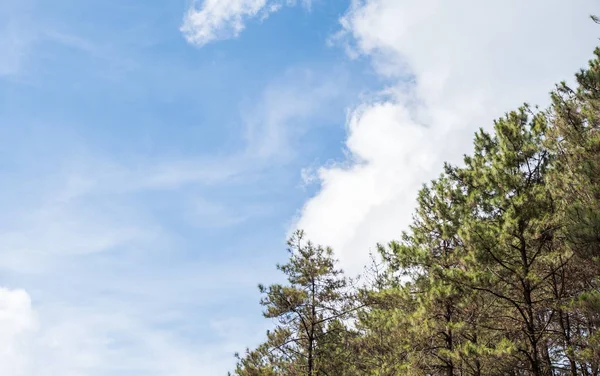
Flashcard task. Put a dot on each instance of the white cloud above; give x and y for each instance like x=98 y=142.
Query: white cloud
x=224 y=19
x=106 y=341
x=220 y=19
x=453 y=67
x=17 y=323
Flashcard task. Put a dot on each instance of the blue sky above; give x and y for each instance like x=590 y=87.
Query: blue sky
x=154 y=155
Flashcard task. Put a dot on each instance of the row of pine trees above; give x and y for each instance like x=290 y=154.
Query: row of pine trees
x=499 y=273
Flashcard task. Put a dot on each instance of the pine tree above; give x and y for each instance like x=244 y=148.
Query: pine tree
x=575 y=181
x=499 y=274
x=425 y=322
x=508 y=233
x=309 y=313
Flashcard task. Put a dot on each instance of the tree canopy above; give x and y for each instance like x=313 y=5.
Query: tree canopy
x=499 y=273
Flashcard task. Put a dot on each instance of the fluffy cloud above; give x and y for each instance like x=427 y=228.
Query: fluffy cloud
x=452 y=67
x=224 y=19
x=17 y=324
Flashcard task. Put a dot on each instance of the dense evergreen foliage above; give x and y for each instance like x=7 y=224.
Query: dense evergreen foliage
x=499 y=273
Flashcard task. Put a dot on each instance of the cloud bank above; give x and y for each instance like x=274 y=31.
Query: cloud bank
x=452 y=67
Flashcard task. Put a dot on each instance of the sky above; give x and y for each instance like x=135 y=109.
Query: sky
x=155 y=155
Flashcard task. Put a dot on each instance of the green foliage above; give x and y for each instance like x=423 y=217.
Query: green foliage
x=309 y=313
x=499 y=273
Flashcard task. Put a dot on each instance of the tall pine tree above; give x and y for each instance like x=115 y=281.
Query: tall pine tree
x=309 y=312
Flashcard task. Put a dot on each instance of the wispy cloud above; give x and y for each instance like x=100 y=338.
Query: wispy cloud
x=288 y=108
x=17 y=35
x=121 y=270
x=78 y=341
